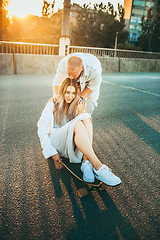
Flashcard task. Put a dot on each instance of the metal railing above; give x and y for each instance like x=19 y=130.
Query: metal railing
x=50 y=49
x=120 y=53
x=28 y=48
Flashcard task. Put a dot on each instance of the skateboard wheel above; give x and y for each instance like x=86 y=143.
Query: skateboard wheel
x=82 y=192
x=103 y=187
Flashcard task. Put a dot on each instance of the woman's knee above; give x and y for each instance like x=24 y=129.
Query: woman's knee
x=87 y=121
x=78 y=126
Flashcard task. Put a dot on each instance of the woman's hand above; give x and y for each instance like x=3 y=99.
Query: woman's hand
x=57 y=158
x=53 y=99
x=79 y=100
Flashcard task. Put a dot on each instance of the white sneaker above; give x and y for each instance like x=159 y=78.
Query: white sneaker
x=105 y=175
x=87 y=169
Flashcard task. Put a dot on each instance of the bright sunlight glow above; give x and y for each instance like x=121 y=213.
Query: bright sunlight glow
x=21 y=8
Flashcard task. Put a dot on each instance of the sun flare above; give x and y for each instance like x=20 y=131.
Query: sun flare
x=21 y=8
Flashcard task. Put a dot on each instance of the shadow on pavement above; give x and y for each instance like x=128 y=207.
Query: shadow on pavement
x=147 y=133
x=96 y=216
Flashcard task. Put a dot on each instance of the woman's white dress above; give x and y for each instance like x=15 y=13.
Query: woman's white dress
x=59 y=139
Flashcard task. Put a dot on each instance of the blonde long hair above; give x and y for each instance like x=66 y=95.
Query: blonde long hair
x=59 y=112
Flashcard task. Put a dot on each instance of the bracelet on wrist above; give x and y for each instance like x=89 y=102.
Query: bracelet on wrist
x=82 y=98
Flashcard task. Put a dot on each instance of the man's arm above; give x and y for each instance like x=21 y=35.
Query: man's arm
x=85 y=92
x=55 y=90
x=95 y=80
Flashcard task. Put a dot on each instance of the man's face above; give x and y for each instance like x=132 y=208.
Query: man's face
x=76 y=73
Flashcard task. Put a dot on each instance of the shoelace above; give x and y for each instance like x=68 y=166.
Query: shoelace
x=104 y=166
x=109 y=169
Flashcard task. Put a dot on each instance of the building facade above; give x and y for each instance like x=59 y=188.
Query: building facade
x=133 y=11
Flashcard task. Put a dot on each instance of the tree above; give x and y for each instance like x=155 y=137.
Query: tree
x=155 y=38
x=110 y=8
x=34 y=29
x=120 y=13
x=97 y=27
x=4 y=18
x=150 y=38
x=47 y=9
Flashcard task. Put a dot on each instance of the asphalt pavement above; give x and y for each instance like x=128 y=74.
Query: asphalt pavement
x=39 y=197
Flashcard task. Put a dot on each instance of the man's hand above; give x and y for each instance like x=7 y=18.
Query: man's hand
x=57 y=158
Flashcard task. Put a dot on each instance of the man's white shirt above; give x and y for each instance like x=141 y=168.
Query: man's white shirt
x=90 y=78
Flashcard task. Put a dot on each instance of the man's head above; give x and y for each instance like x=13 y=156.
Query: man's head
x=74 y=67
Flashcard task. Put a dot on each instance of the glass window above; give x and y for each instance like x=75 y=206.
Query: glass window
x=133 y=36
x=130 y=36
x=135 y=19
x=150 y=4
x=132 y=27
x=139 y=3
x=135 y=27
x=139 y=12
x=139 y=28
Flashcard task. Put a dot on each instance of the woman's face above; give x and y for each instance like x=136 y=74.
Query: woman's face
x=70 y=94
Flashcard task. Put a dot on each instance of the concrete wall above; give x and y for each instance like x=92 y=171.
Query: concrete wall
x=139 y=65
x=25 y=64
x=6 y=64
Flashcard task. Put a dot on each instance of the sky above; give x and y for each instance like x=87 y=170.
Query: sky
x=22 y=8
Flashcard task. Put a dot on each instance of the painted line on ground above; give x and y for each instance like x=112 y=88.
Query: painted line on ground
x=135 y=89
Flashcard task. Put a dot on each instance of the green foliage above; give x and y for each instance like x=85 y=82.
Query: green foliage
x=4 y=18
x=47 y=8
x=150 y=38
x=128 y=47
x=36 y=29
x=121 y=13
x=93 y=27
x=97 y=27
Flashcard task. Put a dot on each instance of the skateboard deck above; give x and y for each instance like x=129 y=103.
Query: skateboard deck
x=75 y=170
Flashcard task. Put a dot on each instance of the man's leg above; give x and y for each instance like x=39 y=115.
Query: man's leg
x=89 y=106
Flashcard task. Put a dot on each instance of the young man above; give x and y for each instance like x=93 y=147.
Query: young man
x=86 y=69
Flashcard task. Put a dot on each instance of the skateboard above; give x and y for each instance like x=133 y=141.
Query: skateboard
x=74 y=169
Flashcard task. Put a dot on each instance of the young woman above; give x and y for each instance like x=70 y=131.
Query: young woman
x=65 y=131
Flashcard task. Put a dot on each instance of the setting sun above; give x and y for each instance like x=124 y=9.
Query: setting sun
x=21 y=8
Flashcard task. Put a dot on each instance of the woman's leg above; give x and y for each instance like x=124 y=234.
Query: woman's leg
x=83 y=142
x=88 y=126
x=101 y=171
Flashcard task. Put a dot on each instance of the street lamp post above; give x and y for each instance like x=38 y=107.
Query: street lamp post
x=116 y=44
x=64 y=39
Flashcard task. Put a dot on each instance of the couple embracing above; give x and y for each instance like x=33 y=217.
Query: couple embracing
x=65 y=126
